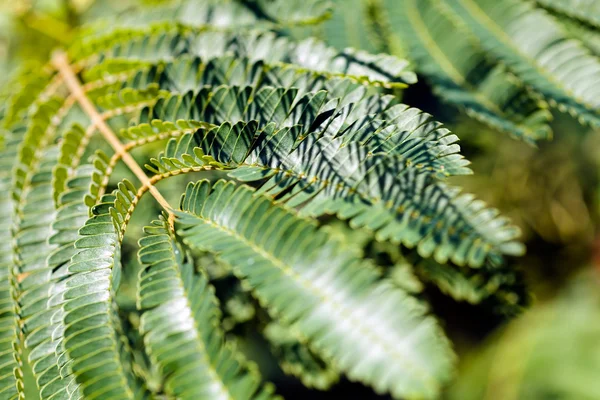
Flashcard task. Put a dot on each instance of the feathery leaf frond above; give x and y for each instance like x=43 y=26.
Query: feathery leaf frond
x=297 y=359
x=343 y=176
x=93 y=336
x=337 y=302
x=181 y=326
x=317 y=132
x=586 y=11
x=461 y=73
x=534 y=46
x=8 y=323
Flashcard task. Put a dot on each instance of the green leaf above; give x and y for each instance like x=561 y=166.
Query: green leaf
x=50 y=364
x=534 y=47
x=588 y=35
x=295 y=357
x=93 y=337
x=586 y=11
x=462 y=74
x=164 y=43
x=316 y=132
x=381 y=172
x=8 y=322
x=502 y=289
x=74 y=142
x=369 y=329
x=290 y=11
x=350 y=26
x=269 y=14
x=31 y=83
x=32 y=226
x=181 y=324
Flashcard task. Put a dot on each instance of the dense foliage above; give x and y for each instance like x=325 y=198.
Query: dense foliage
x=302 y=200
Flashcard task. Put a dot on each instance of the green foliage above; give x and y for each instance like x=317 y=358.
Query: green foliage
x=297 y=359
x=502 y=62
x=586 y=11
x=323 y=217
x=8 y=316
x=181 y=326
x=532 y=44
x=462 y=74
x=363 y=325
x=560 y=371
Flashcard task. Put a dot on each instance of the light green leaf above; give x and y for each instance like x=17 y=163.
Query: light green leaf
x=181 y=324
x=535 y=47
x=369 y=329
x=462 y=73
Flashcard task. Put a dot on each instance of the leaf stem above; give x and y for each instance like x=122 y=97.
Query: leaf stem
x=61 y=63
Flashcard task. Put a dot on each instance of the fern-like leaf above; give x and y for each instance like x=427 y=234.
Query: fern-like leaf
x=586 y=11
x=315 y=130
x=93 y=336
x=534 y=46
x=461 y=73
x=370 y=330
x=164 y=43
x=181 y=326
x=8 y=323
x=297 y=359
x=327 y=171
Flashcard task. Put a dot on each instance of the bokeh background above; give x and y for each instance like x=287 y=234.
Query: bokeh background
x=549 y=351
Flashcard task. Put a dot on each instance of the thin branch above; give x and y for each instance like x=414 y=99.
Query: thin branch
x=61 y=63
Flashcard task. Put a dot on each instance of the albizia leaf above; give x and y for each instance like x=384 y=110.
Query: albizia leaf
x=370 y=329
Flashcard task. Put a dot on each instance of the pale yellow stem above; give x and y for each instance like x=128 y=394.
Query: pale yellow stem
x=61 y=63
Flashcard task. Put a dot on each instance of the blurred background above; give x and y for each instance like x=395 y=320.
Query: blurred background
x=551 y=350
